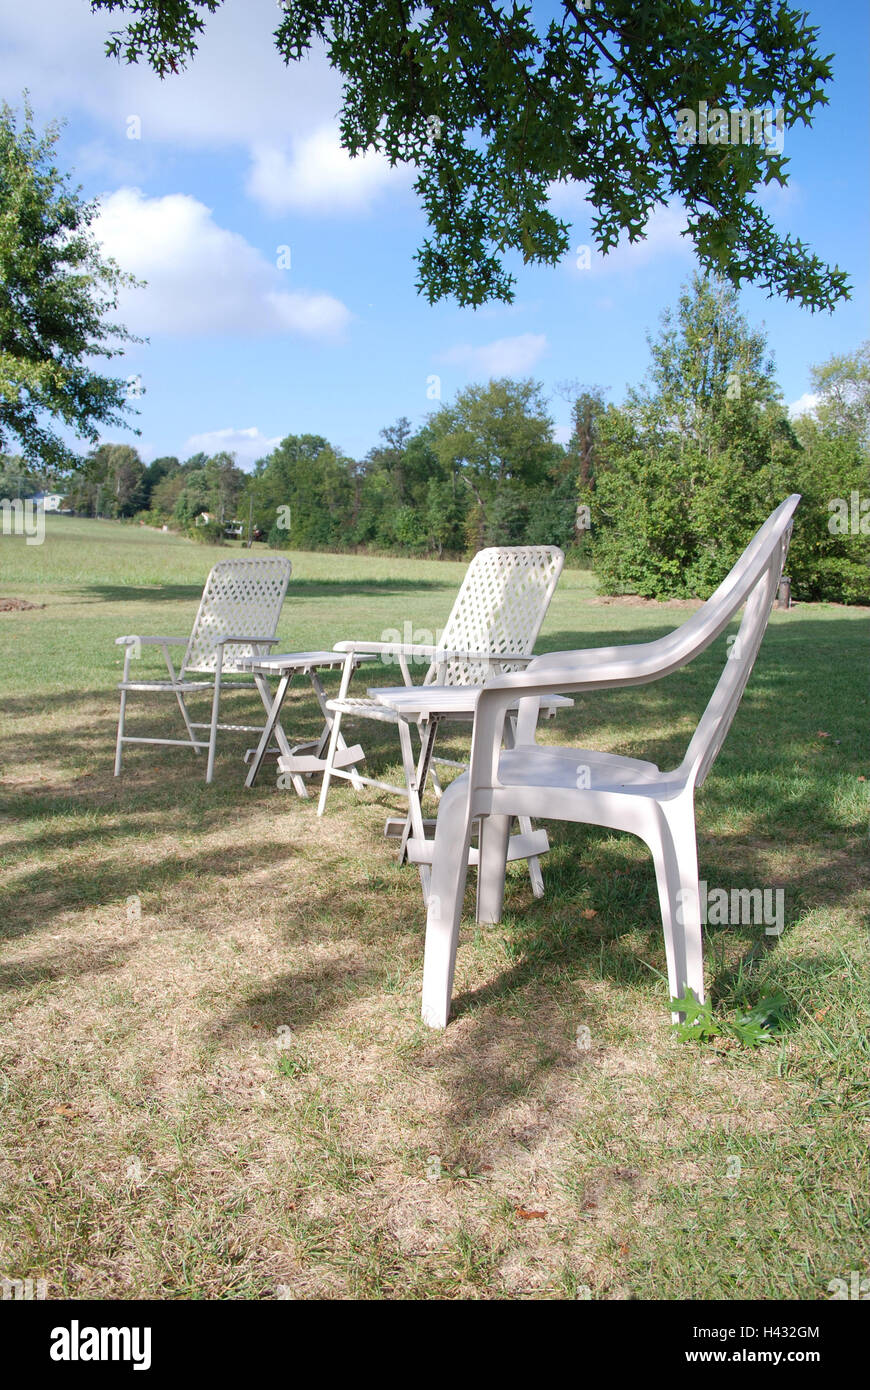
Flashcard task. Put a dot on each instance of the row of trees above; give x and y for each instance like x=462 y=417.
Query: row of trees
x=482 y=471
x=659 y=493
x=114 y=482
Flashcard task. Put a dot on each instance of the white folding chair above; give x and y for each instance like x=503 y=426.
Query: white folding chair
x=237 y=618
x=598 y=788
x=492 y=628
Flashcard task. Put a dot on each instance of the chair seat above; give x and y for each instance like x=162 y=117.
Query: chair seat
x=365 y=709
x=375 y=709
x=540 y=765
x=414 y=700
x=183 y=686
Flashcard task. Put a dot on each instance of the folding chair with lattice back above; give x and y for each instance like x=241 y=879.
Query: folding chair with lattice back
x=492 y=629
x=237 y=618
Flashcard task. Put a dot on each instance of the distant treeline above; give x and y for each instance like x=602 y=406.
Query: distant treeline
x=660 y=493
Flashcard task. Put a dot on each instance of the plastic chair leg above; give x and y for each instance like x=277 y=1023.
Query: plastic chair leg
x=675 y=854
x=492 y=866
x=449 y=874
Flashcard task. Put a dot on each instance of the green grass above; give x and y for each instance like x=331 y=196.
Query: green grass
x=160 y=1137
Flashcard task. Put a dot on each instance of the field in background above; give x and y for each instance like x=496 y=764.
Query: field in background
x=163 y=1134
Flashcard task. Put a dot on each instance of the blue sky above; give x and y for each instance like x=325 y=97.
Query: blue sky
x=238 y=157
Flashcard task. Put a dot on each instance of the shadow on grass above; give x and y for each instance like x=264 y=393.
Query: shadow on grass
x=48 y=969
x=298 y=587
x=774 y=775
x=35 y=897
x=510 y=1045
x=623 y=942
x=302 y=999
x=36 y=704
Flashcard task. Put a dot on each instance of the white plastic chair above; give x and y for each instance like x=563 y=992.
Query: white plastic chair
x=492 y=627
x=598 y=788
x=237 y=618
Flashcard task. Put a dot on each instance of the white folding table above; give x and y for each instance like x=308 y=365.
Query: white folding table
x=427 y=706
x=296 y=760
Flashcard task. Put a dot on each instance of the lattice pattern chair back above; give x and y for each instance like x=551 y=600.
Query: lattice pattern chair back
x=743 y=648
x=241 y=598
x=500 y=607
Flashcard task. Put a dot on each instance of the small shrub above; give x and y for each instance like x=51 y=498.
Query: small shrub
x=279 y=538
x=207 y=533
x=756 y=1025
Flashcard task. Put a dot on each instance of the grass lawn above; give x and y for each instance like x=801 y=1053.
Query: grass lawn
x=163 y=1134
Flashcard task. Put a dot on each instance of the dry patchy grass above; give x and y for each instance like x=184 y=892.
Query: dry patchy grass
x=215 y=1083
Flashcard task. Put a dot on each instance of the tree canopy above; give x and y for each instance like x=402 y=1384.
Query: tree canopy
x=843 y=385
x=497 y=439
x=55 y=293
x=697 y=458
x=495 y=104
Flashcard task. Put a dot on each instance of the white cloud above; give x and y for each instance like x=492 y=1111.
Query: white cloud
x=804 y=405
x=101 y=159
x=236 y=93
x=317 y=316
x=661 y=238
x=780 y=199
x=562 y=433
x=504 y=357
x=202 y=278
x=318 y=176
x=569 y=198
x=144 y=448
x=247 y=445
x=236 y=90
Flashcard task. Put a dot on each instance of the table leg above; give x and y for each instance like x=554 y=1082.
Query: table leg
x=524 y=822
x=415 y=780
x=272 y=706
x=328 y=718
